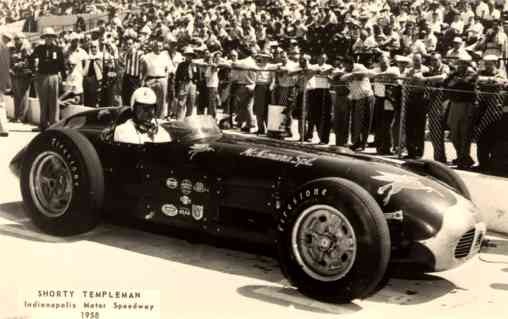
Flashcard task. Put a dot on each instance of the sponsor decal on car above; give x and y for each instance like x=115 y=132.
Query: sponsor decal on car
x=185 y=200
x=172 y=183
x=73 y=165
x=184 y=211
x=199 y=148
x=186 y=186
x=199 y=187
x=399 y=182
x=314 y=192
x=197 y=212
x=299 y=160
x=169 y=210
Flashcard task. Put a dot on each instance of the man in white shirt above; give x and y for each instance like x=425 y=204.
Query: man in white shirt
x=430 y=42
x=73 y=86
x=482 y=10
x=212 y=83
x=458 y=49
x=361 y=101
x=74 y=49
x=143 y=126
x=155 y=70
x=245 y=91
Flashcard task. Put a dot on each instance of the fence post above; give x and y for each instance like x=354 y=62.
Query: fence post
x=436 y=122
x=402 y=118
x=303 y=117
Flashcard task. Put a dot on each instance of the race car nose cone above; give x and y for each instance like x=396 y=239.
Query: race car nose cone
x=460 y=236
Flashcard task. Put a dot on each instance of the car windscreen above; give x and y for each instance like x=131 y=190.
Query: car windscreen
x=193 y=128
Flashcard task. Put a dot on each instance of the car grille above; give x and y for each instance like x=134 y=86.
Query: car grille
x=464 y=246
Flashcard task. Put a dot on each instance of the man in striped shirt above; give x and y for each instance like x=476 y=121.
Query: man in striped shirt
x=132 y=65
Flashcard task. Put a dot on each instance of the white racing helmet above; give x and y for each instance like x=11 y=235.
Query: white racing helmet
x=143 y=95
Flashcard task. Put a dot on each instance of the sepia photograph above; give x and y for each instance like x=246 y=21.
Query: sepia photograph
x=253 y=159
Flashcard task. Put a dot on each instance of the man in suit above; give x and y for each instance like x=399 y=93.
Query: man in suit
x=49 y=65
x=185 y=77
x=5 y=80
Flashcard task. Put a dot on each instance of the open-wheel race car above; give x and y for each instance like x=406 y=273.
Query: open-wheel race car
x=336 y=218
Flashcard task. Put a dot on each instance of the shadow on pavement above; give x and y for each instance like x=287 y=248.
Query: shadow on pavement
x=23 y=228
x=499 y=286
x=291 y=298
x=500 y=247
x=226 y=257
x=12 y=211
x=413 y=291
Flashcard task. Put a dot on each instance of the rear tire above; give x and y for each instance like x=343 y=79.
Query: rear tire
x=62 y=183
x=334 y=243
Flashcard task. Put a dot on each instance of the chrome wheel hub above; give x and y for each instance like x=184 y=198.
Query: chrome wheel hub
x=324 y=243
x=50 y=184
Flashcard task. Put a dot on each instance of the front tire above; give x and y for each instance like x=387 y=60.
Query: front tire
x=334 y=242
x=62 y=183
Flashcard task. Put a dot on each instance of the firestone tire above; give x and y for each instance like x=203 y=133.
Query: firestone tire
x=62 y=183
x=334 y=243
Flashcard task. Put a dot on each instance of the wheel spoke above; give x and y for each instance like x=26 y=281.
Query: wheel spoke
x=46 y=180
x=51 y=184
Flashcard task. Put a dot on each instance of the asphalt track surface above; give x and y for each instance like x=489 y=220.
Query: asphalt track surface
x=199 y=280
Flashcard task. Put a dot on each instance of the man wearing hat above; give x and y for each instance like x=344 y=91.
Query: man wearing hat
x=462 y=98
x=490 y=111
x=49 y=66
x=21 y=75
x=74 y=48
x=185 y=77
x=458 y=49
x=5 y=80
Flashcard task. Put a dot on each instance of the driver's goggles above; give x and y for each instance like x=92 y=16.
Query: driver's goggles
x=145 y=107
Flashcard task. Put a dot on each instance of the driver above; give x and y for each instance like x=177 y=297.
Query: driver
x=143 y=126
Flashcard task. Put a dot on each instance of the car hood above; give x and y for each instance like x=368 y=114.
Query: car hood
x=419 y=199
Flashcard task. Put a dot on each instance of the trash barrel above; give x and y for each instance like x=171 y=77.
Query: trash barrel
x=277 y=121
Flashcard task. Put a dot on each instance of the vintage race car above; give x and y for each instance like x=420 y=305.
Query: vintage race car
x=336 y=218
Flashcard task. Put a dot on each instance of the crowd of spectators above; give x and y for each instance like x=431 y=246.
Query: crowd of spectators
x=349 y=57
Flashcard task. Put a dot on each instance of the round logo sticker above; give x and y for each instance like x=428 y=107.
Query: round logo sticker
x=186 y=186
x=169 y=210
x=172 y=183
x=199 y=187
x=185 y=200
